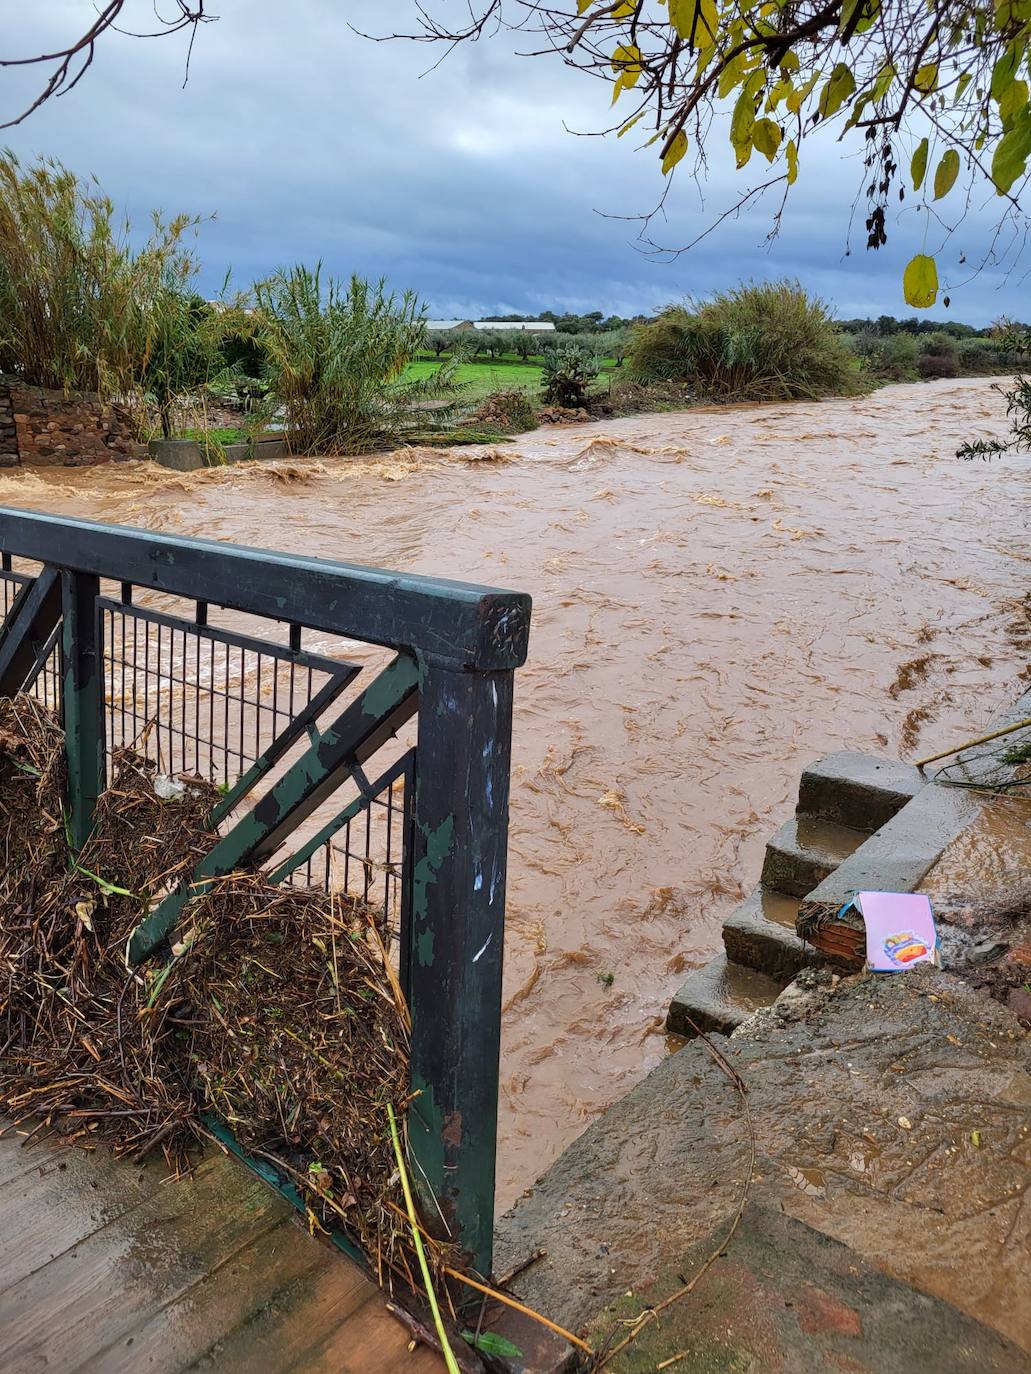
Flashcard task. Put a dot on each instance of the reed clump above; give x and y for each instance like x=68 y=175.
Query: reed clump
x=336 y=355
x=76 y=296
x=766 y=341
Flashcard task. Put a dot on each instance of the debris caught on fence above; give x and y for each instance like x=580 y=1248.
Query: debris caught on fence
x=276 y=1008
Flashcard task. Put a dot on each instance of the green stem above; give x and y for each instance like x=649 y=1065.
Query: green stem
x=445 y=1345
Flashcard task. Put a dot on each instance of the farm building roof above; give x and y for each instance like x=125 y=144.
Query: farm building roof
x=530 y=326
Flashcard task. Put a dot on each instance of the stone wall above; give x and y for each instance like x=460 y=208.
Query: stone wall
x=8 y=431
x=57 y=428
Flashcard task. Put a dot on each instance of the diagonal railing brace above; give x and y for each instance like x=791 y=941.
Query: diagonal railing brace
x=368 y=722
x=26 y=629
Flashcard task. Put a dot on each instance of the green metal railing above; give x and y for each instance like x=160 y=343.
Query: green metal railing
x=97 y=610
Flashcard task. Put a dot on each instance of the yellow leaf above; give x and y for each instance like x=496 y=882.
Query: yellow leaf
x=694 y=20
x=766 y=137
x=780 y=92
x=920 y=281
x=1012 y=153
x=797 y=98
x=674 y=153
x=840 y=85
x=625 y=128
x=918 y=166
x=791 y=153
x=731 y=74
x=1005 y=70
x=881 y=86
x=741 y=120
x=926 y=79
x=626 y=61
x=1012 y=101
x=946 y=173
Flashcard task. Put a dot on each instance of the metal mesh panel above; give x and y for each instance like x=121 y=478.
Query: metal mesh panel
x=206 y=701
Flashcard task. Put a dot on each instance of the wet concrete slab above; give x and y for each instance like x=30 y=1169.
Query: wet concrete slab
x=786 y=1299
x=891 y=1114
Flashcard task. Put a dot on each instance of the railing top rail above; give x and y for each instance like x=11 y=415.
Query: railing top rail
x=458 y=625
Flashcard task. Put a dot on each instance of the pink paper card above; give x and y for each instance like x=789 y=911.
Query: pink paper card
x=899 y=930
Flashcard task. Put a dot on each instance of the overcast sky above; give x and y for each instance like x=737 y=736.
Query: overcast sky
x=307 y=142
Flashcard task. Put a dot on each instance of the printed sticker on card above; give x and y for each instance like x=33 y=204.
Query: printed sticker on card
x=900 y=930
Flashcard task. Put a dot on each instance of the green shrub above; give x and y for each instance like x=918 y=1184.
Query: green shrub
x=894 y=358
x=977 y=356
x=336 y=356
x=938 y=345
x=762 y=341
x=567 y=373
x=934 y=365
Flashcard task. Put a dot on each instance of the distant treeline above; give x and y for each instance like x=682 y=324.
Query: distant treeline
x=597 y=322
x=886 y=325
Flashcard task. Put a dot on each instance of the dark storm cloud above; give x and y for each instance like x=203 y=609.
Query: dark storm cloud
x=310 y=142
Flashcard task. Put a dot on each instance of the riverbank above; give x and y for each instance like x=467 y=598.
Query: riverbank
x=720 y=595
x=840 y=1184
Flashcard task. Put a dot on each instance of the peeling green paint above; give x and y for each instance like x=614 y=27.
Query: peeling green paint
x=390 y=686
x=439 y=844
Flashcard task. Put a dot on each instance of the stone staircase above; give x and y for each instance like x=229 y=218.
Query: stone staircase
x=842 y=800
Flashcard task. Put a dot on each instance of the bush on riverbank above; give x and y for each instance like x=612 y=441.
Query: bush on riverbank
x=761 y=341
x=335 y=360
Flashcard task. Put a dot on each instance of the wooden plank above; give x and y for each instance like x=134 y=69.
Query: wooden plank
x=19 y=1155
x=226 y=1299
x=111 y=1267
x=117 y=1278
x=71 y=1195
x=371 y=1341
x=301 y=1315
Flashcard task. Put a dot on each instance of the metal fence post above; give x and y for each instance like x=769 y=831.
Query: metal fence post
x=457 y=927
x=82 y=701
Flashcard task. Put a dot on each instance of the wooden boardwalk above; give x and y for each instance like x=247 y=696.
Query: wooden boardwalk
x=107 y=1266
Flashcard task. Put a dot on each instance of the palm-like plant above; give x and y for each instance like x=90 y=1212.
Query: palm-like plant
x=336 y=357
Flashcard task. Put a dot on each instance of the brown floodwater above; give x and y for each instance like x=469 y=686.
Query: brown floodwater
x=720 y=596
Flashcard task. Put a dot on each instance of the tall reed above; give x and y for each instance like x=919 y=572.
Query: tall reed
x=75 y=296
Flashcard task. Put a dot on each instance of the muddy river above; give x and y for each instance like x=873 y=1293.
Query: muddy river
x=719 y=597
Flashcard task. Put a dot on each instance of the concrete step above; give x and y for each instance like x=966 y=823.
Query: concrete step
x=806 y=850
x=761 y=934
x=857 y=790
x=718 y=997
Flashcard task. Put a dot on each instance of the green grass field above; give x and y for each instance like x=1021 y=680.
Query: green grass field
x=479 y=379
x=509 y=373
